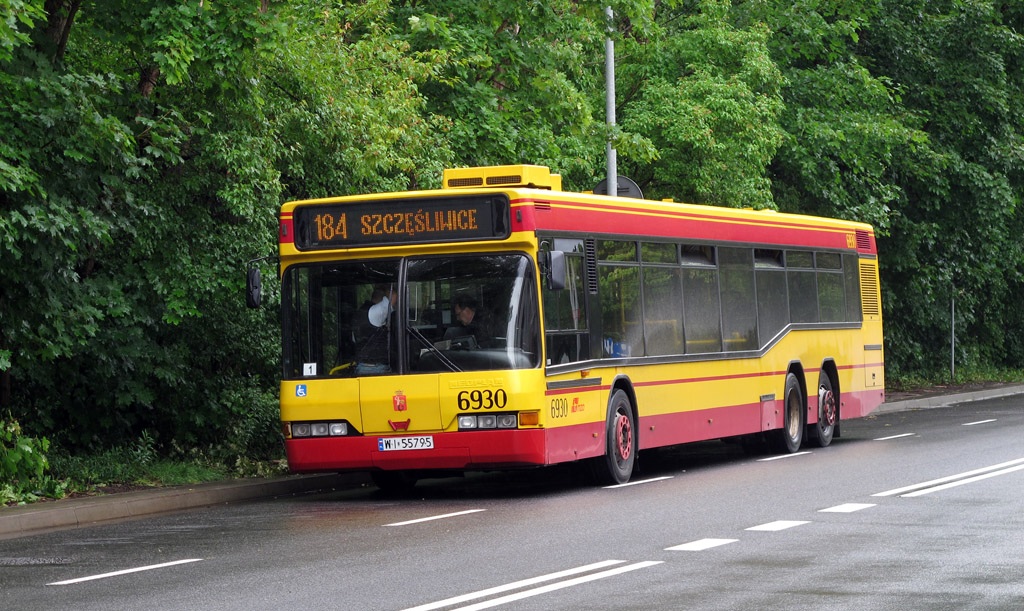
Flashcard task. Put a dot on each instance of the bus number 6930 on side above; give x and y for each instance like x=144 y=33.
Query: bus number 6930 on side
x=482 y=399
x=559 y=407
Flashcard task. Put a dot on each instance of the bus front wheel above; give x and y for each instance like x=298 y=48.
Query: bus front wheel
x=787 y=440
x=620 y=441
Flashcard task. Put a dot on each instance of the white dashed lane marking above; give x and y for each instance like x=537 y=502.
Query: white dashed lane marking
x=440 y=517
x=895 y=436
x=700 y=545
x=124 y=572
x=779 y=525
x=846 y=508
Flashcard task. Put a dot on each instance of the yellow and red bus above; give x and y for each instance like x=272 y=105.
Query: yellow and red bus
x=603 y=326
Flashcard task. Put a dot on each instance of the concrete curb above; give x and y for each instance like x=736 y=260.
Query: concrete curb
x=28 y=519
x=949 y=400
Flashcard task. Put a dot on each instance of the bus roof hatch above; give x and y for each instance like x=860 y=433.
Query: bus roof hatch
x=529 y=176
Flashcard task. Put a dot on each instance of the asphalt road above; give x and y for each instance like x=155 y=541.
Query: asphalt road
x=912 y=510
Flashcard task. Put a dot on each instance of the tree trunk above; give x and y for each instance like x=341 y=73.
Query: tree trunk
x=60 y=15
x=147 y=80
x=5 y=390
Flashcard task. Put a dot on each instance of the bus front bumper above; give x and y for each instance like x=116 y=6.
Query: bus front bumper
x=463 y=450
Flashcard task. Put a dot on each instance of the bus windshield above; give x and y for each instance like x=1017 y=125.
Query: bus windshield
x=413 y=315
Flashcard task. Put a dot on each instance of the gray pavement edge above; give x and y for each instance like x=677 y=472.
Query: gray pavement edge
x=23 y=520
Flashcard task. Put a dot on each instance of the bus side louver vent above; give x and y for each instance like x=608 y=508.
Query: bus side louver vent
x=869 y=300
x=590 y=263
x=863 y=240
x=475 y=181
x=504 y=180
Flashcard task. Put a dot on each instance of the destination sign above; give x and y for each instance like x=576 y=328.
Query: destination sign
x=404 y=221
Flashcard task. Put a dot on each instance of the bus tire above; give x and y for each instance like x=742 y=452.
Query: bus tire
x=620 y=440
x=820 y=433
x=393 y=482
x=787 y=440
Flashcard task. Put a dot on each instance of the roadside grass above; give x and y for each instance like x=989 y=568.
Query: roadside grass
x=139 y=466
x=964 y=376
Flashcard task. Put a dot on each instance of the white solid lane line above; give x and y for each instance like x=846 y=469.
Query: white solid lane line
x=440 y=517
x=979 y=422
x=641 y=481
x=778 y=525
x=700 y=545
x=949 y=478
x=487 y=604
x=770 y=458
x=846 y=508
x=895 y=437
x=514 y=585
x=970 y=480
x=124 y=572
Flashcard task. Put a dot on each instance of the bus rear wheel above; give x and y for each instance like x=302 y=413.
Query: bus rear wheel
x=620 y=441
x=820 y=434
x=787 y=440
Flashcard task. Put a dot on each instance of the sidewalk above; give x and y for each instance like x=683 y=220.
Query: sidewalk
x=70 y=513
x=938 y=397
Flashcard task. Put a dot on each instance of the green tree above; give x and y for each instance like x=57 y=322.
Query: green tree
x=848 y=139
x=146 y=150
x=707 y=94
x=957 y=231
x=520 y=82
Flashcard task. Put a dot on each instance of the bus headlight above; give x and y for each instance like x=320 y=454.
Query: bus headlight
x=292 y=430
x=506 y=421
x=468 y=422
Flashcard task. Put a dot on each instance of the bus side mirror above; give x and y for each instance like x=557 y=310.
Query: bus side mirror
x=556 y=270
x=253 y=288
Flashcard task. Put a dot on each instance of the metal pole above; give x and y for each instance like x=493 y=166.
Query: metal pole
x=952 y=338
x=609 y=103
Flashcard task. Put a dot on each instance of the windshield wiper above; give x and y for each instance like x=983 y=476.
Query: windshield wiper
x=433 y=349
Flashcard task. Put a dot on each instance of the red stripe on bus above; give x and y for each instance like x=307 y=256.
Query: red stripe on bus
x=766 y=221
x=761 y=374
x=598 y=218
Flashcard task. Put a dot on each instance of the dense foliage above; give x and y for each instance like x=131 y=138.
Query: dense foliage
x=146 y=146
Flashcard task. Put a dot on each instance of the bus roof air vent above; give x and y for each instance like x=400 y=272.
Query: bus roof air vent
x=528 y=176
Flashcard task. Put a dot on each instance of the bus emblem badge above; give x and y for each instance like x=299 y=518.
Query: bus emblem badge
x=400 y=426
x=399 y=401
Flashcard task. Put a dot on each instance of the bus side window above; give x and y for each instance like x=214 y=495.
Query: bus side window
x=567 y=338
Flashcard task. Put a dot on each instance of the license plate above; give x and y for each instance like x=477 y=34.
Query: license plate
x=386 y=444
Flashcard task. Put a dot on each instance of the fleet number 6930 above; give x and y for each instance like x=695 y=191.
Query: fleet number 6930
x=482 y=399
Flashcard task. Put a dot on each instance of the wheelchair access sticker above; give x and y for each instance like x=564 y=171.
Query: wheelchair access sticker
x=300 y=390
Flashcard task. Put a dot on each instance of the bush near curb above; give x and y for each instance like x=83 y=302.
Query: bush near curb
x=22 y=465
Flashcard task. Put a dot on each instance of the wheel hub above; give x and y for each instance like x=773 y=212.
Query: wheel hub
x=623 y=437
x=827 y=401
